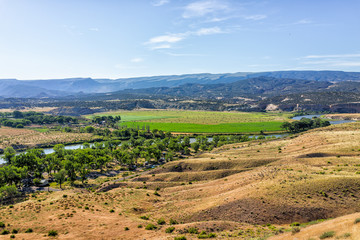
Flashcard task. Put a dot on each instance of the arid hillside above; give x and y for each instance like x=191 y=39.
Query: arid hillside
x=276 y=189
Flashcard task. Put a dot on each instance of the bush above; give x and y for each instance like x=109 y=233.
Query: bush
x=52 y=233
x=4 y=232
x=355 y=222
x=169 y=229
x=112 y=210
x=180 y=238
x=150 y=226
x=144 y=217
x=12 y=236
x=295 y=230
x=2 y=225
x=203 y=235
x=29 y=230
x=126 y=229
x=327 y=235
x=193 y=230
x=161 y=221
x=15 y=231
x=294 y=224
x=173 y=222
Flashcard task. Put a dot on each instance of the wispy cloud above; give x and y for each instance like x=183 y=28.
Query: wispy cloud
x=303 y=21
x=208 y=31
x=348 y=64
x=184 y=54
x=137 y=60
x=332 y=60
x=166 y=41
x=356 y=55
x=159 y=3
x=162 y=46
x=171 y=38
x=94 y=29
x=255 y=17
x=202 y=8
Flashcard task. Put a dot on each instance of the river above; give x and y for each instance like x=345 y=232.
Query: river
x=192 y=140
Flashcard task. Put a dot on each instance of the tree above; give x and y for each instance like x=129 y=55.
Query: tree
x=195 y=146
x=60 y=176
x=18 y=114
x=286 y=126
x=9 y=153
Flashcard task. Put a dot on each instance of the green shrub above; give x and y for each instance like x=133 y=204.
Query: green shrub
x=173 y=222
x=169 y=229
x=295 y=230
x=204 y=235
x=29 y=230
x=12 y=236
x=161 y=221
x=2 y=225
x=327 y=235
x=193 y=230
x=112 y=210
x=144 y=217
x=180 y=238
x=4 y=232
x=150 y=226
x=355 y=222
x=52 y=233
x=15 y=231
x=140 y=226
x=126 y=229
x=294 y=224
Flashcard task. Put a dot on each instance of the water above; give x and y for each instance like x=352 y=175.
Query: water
x=319 y=116
x=192 y=140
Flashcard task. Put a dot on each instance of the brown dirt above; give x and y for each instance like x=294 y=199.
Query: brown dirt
x=298 y=179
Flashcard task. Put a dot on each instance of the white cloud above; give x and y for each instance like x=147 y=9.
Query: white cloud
x=303 y=21
x=347 y=64
x=171 y=38
x=166 y=41
x=137 y=60
x=184 y=54
x=208 y=31
x=160 y=3
x=94 y=29
x=333 y=56
x=162 y=46
x=255 y=17
x=202 y=8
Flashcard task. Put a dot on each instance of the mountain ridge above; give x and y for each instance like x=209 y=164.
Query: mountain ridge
x=71 y=86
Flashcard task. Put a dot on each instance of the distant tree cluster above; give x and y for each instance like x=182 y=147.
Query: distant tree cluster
x=304 y=124
x=143 y=148
x=19 y=119
x=106 y=119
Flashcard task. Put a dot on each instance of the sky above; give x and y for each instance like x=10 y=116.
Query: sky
x=43 y=39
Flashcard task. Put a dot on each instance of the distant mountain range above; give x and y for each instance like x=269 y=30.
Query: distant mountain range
x=199 y=85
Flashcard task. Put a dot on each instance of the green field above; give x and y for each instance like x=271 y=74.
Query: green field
x=249 y=127
x=202 y=121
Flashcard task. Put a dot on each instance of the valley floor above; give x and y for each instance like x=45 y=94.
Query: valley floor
x=252 y=190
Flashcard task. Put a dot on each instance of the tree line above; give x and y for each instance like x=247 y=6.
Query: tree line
x=19 y=119
x=304 y=124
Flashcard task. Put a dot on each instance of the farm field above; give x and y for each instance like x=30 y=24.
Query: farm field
x=27 y=138
x=202 y=121
x=252 y=190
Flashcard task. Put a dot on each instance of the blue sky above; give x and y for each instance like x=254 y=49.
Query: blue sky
x=41 y=39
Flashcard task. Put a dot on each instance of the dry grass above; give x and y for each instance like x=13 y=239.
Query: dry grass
x=26 y=138
x=312 y=176
x=35 y=109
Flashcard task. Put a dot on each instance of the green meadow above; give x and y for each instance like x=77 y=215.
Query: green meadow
x=201 y=121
